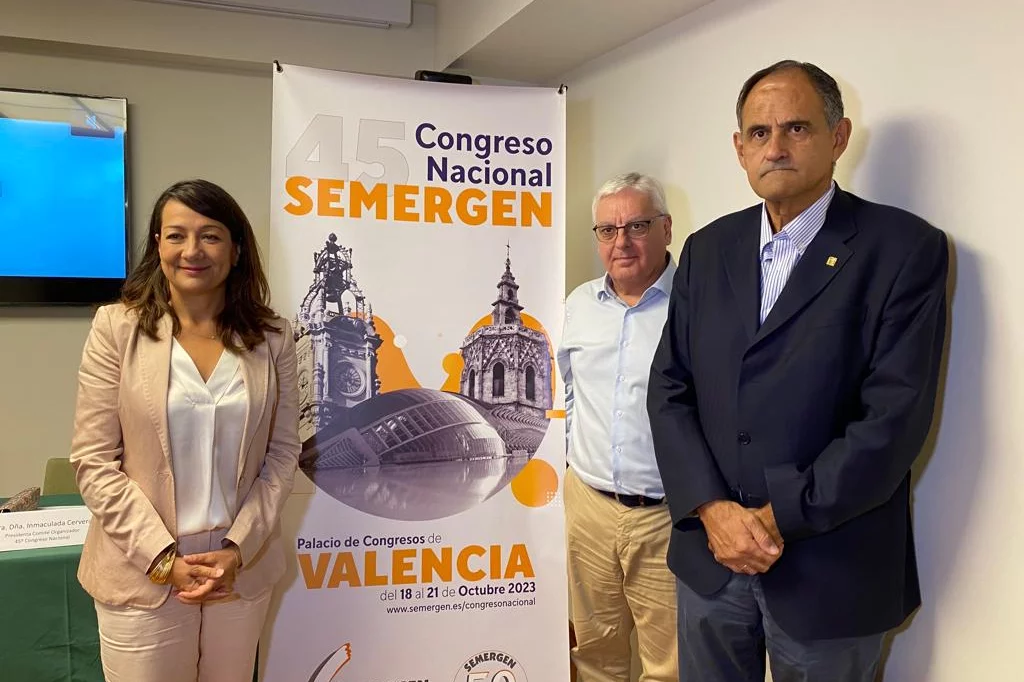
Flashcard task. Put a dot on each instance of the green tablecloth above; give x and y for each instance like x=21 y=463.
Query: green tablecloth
x=47 y=622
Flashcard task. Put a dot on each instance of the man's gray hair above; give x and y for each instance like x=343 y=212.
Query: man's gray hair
x=638 y=181
x=824 y=84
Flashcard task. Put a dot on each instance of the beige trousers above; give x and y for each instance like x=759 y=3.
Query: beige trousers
x=176 y=642
x=618 y=579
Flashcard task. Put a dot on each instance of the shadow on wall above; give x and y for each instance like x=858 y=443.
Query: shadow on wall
x=581 y=261
x=859 y=137
x=296 y=508
x=945 y=480
x=682 y=217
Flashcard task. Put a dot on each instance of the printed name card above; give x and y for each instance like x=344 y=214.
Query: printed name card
x=48 y=527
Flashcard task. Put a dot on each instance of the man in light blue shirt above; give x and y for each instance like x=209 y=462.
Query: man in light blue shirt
x=617 y=522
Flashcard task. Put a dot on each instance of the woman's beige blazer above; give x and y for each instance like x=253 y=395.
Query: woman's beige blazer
x=121 y=455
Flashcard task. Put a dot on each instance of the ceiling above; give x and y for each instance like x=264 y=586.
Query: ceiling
x=524 y=41
x=537 y=41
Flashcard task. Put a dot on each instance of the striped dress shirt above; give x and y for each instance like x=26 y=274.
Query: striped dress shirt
x=781 y=252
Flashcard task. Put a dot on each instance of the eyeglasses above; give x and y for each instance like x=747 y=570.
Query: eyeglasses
x=636 y=229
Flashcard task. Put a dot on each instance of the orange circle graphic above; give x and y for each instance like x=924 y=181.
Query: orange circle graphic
x=536 y=485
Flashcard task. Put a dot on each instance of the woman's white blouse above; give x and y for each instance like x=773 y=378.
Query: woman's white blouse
x=205 y=422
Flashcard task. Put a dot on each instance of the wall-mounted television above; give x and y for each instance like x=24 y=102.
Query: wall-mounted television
x=63 y=198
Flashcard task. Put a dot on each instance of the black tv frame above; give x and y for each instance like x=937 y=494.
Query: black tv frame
x=20 y=292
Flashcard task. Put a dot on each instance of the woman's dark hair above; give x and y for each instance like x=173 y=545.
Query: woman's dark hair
x=246 y=312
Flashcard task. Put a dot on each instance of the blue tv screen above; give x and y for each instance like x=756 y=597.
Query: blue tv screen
x=63 y=198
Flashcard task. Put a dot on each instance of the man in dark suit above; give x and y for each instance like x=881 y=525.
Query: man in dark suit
x=792 y=389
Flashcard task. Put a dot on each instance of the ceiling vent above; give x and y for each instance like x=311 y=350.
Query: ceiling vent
x=368 y=13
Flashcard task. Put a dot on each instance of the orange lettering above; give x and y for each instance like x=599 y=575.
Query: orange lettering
x=519 y=563
x=437 y=203
x=402 y=570
x=530 y=209
x=502 y=208
x=471 y=215
x=464 y=570
x=441 y=566
x=370 y=576
x=328 y=191
x=377 y=198
x=495 y=562
x=345 y=570
x=405 y=203
x=295 y=187
x=314 y=577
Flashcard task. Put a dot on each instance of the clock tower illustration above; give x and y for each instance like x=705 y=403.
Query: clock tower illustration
x=336 y=342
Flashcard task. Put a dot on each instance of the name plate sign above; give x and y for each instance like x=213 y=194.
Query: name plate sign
x=47 y=527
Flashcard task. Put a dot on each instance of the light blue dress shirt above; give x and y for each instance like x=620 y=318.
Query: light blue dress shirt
x=605 y=360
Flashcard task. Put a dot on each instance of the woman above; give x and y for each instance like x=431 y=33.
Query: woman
x=185 y=447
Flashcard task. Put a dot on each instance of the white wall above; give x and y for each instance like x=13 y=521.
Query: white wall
x=199 y=106
x=934 y=91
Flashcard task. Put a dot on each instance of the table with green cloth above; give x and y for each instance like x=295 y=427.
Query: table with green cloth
x=47 y=621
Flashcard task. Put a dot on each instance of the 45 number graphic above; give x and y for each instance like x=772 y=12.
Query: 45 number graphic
x=319 y=151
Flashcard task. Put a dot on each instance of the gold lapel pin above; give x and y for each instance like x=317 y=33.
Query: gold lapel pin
x=831 y=261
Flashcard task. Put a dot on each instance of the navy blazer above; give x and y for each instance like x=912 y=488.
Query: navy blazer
x=821 y=410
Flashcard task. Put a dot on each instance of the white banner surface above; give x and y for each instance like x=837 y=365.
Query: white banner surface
x=417 y=243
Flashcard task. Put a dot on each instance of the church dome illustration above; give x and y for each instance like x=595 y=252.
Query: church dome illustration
x=414 y=453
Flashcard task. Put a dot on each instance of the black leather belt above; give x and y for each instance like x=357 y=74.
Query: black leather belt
x=633 y=500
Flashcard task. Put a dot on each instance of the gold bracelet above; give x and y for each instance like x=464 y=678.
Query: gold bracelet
x=161 y=571
x=160 y=574
x=238 y=554
x=165 y=567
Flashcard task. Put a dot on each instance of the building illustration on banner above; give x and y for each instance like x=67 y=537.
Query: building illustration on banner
x=337 y=343
x=414 y=453
x=507 y=368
